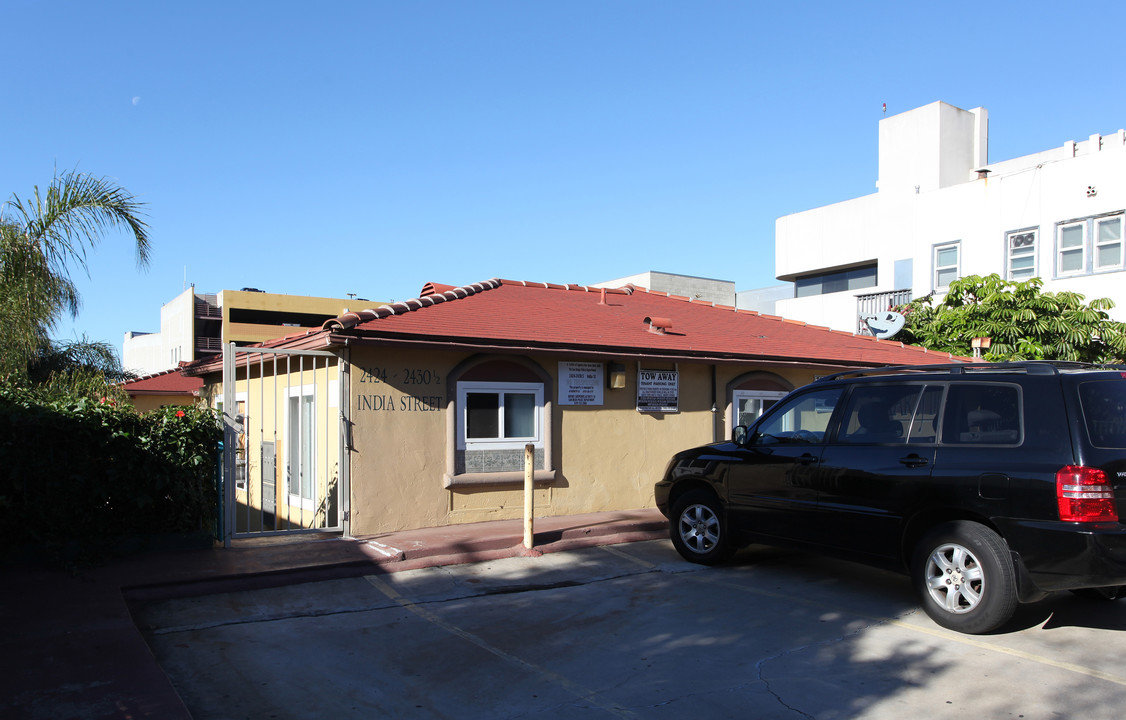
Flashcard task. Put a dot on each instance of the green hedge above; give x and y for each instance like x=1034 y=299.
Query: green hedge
x=78 y=476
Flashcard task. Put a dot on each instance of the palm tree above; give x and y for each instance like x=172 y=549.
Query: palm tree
x=41 y=240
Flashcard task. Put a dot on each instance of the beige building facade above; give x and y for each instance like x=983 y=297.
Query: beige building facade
x=417 y=414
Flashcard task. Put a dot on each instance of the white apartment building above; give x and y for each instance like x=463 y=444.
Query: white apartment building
x=943 y=211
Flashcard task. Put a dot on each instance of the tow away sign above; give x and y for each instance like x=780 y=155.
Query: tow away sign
x=658 y=391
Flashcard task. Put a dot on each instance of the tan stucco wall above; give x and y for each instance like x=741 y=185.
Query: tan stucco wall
x=399 y=439
x=606 y=457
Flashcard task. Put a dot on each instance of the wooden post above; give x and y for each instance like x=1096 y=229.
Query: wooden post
x=529 y=497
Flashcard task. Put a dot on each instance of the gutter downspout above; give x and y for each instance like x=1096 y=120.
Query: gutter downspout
x=715 y=402
x=344 y=453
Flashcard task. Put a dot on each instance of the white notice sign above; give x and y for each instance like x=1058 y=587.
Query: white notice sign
x=658 y=391
x=580 y=383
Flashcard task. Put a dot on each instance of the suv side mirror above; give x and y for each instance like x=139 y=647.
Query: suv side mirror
x=739 y=435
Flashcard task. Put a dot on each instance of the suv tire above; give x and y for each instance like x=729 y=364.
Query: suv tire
x=699 y=530
x=963 y=572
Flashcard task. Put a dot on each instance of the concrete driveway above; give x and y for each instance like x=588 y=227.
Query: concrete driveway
x=630 y=631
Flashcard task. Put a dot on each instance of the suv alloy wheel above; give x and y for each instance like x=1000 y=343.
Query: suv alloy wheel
x=964 y=575
x=698 y=531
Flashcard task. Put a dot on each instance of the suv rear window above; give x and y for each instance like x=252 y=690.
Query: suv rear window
x=1104 y=412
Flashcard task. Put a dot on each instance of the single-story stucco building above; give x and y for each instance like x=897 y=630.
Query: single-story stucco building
x=151 y=392
x=416 y=414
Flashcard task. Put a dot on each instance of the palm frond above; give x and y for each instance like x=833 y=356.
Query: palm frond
x=74 y=214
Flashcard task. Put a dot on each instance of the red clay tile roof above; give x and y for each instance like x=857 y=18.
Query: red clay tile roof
x=506 y=313
x=169 y=382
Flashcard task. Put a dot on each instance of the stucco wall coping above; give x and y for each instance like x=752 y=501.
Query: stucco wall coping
x=515 y=477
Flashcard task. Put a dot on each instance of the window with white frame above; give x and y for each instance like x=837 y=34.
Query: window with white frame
x=499 y=405
x=1090 y=245
x=749 y=405
x=1020 y=250
x=1071 y=248
x=1108 y=243
x=499 y=415
x=947 y=264
x=301 y=446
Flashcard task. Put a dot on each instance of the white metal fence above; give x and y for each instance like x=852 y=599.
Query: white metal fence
x=285 y=454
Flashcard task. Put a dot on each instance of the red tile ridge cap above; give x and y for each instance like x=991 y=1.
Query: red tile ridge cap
x=350 y=320
x=625 y=290
x=434 y=293
x=822 y=327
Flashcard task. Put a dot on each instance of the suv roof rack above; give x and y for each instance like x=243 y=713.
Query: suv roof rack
x=1028 y=367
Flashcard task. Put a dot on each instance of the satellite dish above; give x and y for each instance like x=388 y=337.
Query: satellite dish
x=884 y=325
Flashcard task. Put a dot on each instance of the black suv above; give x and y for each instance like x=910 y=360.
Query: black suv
x=991 y=484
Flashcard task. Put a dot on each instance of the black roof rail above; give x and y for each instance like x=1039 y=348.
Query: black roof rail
x=1028 y=367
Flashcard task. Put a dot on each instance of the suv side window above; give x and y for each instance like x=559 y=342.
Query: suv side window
x=924 y=424
x=878 y=414
x=982 y=414
x=804 y=419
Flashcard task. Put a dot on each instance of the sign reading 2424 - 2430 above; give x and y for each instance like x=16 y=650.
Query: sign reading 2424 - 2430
x=658 y=391
x=580 y=383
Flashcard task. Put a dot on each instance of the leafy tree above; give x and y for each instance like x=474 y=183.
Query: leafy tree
x=42 y=239
x=1022 y=322
x=80 y=368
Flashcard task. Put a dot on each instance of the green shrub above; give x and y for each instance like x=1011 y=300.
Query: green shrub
x=76 y=475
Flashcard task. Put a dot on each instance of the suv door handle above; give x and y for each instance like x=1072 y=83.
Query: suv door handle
x=806 y=459
x=913 y=460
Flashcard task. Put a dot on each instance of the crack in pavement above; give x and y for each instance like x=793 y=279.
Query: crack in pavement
x=760 y=665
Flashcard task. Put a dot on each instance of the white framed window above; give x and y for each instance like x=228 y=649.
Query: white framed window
x=947 y=264
x=301 y=446
x=1108 y=243
x=749 y=405
x=1071 y=248
x=499 y=415
x=1020 y=254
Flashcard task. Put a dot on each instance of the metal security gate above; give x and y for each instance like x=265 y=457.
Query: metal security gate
x=285 y=456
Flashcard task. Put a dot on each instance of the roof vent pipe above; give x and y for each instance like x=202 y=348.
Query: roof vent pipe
x=602 y=301
x=658 y=325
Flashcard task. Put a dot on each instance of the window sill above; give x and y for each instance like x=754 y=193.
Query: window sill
x=513 y=478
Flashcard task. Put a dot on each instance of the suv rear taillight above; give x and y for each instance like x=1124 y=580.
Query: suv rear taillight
x=1085 y=495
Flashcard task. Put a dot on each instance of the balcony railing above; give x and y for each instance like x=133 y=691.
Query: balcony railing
x=208 y=344
x=205 y=307
x=875 y=303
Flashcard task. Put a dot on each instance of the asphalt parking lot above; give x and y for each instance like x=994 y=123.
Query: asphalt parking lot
x=629 y=631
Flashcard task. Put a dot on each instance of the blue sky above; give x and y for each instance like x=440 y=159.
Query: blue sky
x=371 y=147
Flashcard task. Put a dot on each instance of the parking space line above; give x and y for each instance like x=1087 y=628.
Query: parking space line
x=970 y=641
x=625 y=555
x=933 y=632
x=590 y=696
